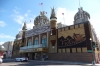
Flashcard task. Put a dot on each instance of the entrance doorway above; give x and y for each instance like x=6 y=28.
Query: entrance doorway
x=26 y=54
x=33 y=54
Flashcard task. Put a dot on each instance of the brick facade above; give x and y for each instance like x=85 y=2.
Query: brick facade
x=74 y=57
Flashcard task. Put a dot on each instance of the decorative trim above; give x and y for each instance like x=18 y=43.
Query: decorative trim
x=53 y=42
x=53 y=19
x=37 y=31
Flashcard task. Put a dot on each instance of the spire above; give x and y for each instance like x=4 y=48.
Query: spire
x=42 y=13
x=79 y=4
x=24 y=27
x=53 y=15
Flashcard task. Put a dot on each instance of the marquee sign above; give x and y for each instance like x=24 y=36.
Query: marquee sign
x=37 y=31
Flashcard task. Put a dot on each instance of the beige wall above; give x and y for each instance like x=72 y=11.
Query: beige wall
x=66 y=32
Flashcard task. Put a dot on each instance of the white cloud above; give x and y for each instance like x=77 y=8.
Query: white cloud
x=17 y=12
x=26 y=15
x=2 y=24
x=96 y=25
x=69 y=18
x=21 y=18
x=6 y=36
x=29 y=11
x=1 y=43
x=30 y=25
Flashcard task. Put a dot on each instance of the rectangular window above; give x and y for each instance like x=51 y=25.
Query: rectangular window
x=44 y=42
x=29 y=43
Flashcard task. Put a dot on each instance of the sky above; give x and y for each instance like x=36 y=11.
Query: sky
x=13 y=13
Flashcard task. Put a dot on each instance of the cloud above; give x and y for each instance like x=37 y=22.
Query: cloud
x=16 y=12
x=1 y=43
x=6 y=36
x=26 y=15
x=2 y=24
x=21 y=18
x=28 y=10
x=68 y=18
x=28 y=24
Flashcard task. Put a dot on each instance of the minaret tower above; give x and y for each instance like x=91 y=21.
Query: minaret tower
x=23 y=33
x=53 y=21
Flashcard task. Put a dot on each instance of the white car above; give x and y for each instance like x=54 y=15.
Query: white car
x=21 y=59
x=1 y=60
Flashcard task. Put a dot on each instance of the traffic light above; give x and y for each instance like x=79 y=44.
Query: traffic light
x=94 y=44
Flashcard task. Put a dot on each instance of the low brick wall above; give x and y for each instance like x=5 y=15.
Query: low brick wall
x=74 y=57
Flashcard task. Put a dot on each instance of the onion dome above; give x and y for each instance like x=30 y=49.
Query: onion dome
x=81 y=16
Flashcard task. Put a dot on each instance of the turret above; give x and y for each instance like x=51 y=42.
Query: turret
x=23 y=32
x=24 y=27
x=53 y=21
x=81 y=16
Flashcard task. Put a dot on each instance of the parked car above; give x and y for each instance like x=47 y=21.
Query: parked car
x=21 y=59
x=1 y=60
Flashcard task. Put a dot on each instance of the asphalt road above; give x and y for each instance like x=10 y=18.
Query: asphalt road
x=37 y=63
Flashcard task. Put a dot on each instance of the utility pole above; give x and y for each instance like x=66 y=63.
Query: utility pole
x=93 y=59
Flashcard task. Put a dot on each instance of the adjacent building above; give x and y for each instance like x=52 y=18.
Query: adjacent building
x=9 y=47
x=58 y=41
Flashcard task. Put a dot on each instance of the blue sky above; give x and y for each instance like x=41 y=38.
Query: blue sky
x=13 y=13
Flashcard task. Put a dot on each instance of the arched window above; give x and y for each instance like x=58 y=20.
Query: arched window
x=36 y=41
x=44 y=41
x=29 y=42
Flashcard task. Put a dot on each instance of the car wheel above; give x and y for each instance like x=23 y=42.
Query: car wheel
x=20 y=60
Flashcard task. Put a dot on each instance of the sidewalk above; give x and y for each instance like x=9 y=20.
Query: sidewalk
x=65 y=62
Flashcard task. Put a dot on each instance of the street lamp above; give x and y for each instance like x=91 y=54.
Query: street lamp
x=51 y=31
x=93 y=60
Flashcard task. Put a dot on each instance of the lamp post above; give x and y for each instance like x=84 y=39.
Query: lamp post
x=51 y=31
x=93 y=60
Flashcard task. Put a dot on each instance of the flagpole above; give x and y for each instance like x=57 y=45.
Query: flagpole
x=42 y=7
x=63 y=19
x=79 y=4
x=41 y=4
x=30 y=24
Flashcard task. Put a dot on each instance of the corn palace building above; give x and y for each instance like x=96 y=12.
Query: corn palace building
x=57 y=41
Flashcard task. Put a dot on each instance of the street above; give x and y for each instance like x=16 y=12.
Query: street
x=40 y=63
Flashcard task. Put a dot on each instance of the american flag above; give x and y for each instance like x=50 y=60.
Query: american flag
x=46 y=12
x=62 y=13
x=41 y=4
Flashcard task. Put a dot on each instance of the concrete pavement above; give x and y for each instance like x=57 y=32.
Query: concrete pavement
x=54 y=61
x=65 y=62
